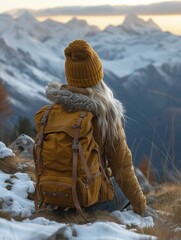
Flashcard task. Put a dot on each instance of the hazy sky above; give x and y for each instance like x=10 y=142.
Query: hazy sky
x=6 y=5
x=172 y=22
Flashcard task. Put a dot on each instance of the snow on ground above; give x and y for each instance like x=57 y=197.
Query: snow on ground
x=4 y=151
x=130 y=218
x=15 y=200
x=41 y=228
x=12 y=230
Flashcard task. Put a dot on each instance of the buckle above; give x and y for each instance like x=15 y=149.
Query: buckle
x=42 y=121
x=75 y=145
x=39 y=140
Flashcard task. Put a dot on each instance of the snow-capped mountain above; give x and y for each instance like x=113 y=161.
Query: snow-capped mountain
x=141 y=63
x=132 y=23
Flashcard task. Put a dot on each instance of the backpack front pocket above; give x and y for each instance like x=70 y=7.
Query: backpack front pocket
x=89 y=195
x=57 y=191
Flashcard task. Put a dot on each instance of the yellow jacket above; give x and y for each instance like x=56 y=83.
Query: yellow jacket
x=120 y=162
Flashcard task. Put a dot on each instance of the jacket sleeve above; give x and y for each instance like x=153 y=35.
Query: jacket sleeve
x=120 y=162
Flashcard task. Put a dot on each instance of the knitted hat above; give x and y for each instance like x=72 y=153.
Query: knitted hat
x=83 y=68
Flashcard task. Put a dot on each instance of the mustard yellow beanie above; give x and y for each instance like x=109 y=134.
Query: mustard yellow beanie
x=83 y=67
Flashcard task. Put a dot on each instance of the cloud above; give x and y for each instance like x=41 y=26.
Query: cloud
x=103 y=10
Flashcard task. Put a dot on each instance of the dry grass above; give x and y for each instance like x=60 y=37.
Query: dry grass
x=166 y=197
x=5 y=215
x=168 y=205
x=29 y=168
x=176 y=212
x=10 y=165
x=76 y=218
x=162 y=231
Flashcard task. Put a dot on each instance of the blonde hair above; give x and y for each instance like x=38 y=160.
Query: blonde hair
x=109 y=111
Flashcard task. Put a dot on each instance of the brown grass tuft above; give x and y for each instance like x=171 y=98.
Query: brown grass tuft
x=168 y=205
x=176 y=212
x=28 y=167
x=162 y=231
x=102 y=216
x=10 y=165
x=5 y=215
x=165 y=196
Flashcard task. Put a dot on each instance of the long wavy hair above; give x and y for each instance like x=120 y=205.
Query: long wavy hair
x=109 y=111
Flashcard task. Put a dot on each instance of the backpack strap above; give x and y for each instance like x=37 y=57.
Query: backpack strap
x=74 y=178
x=37 y=157
x=39 y=138
x=77 y=149
x=86 y=169
x=102 y=167
x=78 y=146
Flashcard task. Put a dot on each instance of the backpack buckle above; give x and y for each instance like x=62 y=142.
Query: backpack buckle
x=39 y=140
x=42 y=121
x=75 y=146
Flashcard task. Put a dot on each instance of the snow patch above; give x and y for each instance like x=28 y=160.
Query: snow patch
x=5 y=152
x=130 y=218
x=15 y=199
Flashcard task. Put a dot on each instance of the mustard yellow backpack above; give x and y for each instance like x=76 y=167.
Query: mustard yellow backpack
x=69 y=169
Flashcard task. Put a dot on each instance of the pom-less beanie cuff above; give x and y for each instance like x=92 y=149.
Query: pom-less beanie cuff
x=83 y=67
x=86 y=82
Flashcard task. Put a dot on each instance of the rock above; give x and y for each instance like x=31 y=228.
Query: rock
x=144 y=183
x=23 y=146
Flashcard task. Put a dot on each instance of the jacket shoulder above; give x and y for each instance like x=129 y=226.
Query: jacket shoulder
x=57 y=111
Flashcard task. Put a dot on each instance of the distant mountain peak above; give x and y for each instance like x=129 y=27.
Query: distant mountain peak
x=131 y=21
x=75 y=20
x=153 y=24
x=131 y=18
x=26 y=16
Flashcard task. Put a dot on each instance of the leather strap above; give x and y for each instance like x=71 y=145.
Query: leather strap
x=39 y=139
x=37 y=153
x=78 y=147
x=74 y=179
x=75 y=150
x=102 y=168
x=86 y=169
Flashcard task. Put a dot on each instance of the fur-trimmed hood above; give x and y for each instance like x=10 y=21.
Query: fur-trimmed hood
x=72 y=98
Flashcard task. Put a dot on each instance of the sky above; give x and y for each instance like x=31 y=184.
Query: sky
x=6 y=5
x=171 y=22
